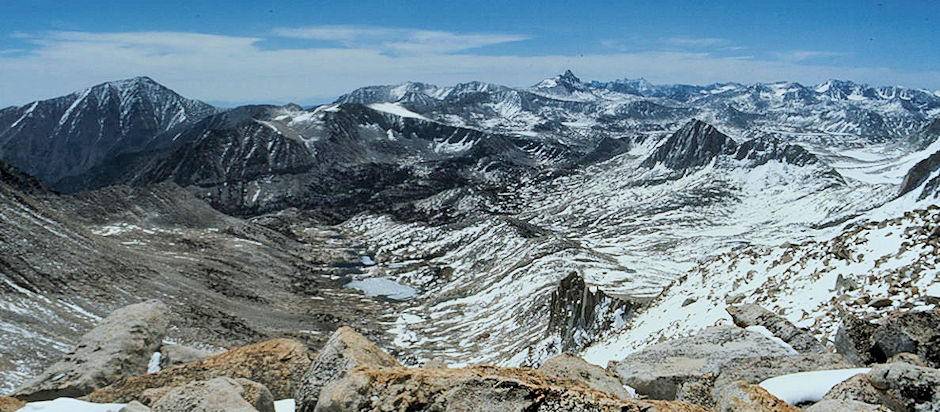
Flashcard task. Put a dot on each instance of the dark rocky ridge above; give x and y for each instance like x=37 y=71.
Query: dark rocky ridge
x=21 y=181
x=343 y=162
x=697 y=144
x=694 y=145
x=919 y=173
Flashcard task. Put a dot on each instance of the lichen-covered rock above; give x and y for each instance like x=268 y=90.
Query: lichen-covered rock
x=215 y=395
x=860 y=389
x=916 y=387
x=119 y=347
x=832 y=405
x=573 y=367
x=8 y=404
x=745 y=397
x=658 y=370
x=753 y=315
x=277 y=364
x=907 y=357
x=473 y=389
x=698 y=391
x=852 y=339
x=345 y=350
x=173 y=355
x=916 y=332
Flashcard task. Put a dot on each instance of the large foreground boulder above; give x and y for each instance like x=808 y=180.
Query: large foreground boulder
x=756 y=370
x=215 y=395
x=344 y=351
x=865 y=342
x=277 y=364
x=119 y=347
x=753 y=315
x=916 y=387
x=659 y=370
x=573 y=367
x=479 y=388
x=741 y=396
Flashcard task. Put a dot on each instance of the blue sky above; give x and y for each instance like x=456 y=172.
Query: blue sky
x=307 y=52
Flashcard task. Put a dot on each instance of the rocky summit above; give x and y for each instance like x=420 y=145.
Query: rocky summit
x=575 y=245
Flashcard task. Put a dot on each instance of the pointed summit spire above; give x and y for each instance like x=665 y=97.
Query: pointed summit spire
x=566 y=82
x=570 y=77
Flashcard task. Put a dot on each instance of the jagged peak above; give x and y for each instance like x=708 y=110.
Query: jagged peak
x=566 y=79
x=569 y=76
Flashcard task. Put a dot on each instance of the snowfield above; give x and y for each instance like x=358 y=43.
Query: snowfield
x=808 y=283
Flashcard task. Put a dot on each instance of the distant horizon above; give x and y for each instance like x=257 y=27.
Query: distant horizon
x=317 y=101
x=225 y=51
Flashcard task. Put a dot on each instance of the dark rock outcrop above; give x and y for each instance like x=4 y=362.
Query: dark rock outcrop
x=20 y=181
x=118 y=348
x=919 y=173
x=916 y=332
x=579 y=313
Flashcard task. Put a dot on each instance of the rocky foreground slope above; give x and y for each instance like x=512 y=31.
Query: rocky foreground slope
x=726 y=368
x=67 y=261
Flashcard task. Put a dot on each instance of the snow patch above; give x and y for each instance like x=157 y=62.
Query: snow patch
x=284 y=405
x=763 y=331
x=808 y=386
x=71 y=405
x=397 y=110
x=154 y=364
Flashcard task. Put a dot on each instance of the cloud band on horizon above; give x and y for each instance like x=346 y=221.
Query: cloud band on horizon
x=225 y=68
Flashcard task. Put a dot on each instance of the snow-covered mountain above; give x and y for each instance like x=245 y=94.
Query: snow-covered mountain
x=515 y=223
x=68 y=135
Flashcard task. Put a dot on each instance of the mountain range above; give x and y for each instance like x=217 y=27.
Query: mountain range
x=512 y=223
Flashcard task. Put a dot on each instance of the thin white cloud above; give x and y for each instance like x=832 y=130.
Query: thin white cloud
x=694 y=41
x=399 y=40
x=236 y=69
x=801 y=55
